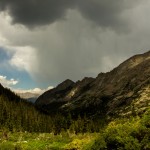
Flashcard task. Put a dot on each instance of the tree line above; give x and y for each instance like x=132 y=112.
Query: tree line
x=17 y=114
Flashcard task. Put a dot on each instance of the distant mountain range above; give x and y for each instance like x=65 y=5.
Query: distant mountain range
x=120 y=92
x=31 y=97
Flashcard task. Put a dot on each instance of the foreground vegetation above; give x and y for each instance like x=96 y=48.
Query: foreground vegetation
x=129 y=134
x=46 y=141
x=24 y=127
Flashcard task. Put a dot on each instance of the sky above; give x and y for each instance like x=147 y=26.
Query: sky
x=42 y=43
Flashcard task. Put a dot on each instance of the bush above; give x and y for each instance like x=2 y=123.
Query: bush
x=125 y=134
x=98 y=144
x=7 y=146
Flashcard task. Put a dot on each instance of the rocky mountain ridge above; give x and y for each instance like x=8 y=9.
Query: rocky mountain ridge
x=115 y=92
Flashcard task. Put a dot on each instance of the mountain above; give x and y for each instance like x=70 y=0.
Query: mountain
x=31 y=97
x=9 y=94
x=57 y=94
x=122 y=91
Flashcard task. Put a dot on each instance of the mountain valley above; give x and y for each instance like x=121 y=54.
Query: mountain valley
x=109 y=112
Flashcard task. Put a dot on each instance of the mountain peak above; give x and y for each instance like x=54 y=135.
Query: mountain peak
x=109 y=93
x=65 y=84
x=56 y=94
x=136 y=60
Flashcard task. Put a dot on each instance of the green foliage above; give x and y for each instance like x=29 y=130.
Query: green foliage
x=22 y=116
x=128 y=134
x=124 y=134
x=97 y=144
x=7 y=146
x=45 y=141
x=24 y=127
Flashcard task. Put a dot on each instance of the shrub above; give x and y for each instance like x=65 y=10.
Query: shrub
x=7 y=146
x=128 y=134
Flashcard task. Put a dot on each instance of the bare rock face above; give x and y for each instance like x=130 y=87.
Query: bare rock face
x=56 y=94
x=110 y=93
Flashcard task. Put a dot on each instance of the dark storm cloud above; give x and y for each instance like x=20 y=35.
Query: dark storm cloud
x=105 y=13
x=35 y=12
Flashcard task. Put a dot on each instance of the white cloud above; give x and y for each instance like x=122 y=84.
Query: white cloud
x=23 y=58
x=6 y=82
x=33 y=91
x=10 y=82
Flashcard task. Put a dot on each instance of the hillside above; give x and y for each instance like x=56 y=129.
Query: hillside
x=16 y=114
x=122 y=91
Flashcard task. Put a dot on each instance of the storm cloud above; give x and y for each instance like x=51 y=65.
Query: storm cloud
x=78 y=39
x=107 y=13
x=35 y=13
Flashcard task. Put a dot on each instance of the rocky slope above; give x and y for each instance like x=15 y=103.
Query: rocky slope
x=122 y=91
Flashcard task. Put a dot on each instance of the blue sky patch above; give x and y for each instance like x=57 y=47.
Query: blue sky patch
x=25 y=80
x=4 y=55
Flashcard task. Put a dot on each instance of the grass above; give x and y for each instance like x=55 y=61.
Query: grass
x=46 y=141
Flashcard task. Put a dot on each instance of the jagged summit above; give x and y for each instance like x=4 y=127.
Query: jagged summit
x=65 y=84
x=114 y=92
x=55 y=94
x=135 y=60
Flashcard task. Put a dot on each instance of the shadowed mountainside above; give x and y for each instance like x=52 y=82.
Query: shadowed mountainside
x=122 y=91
